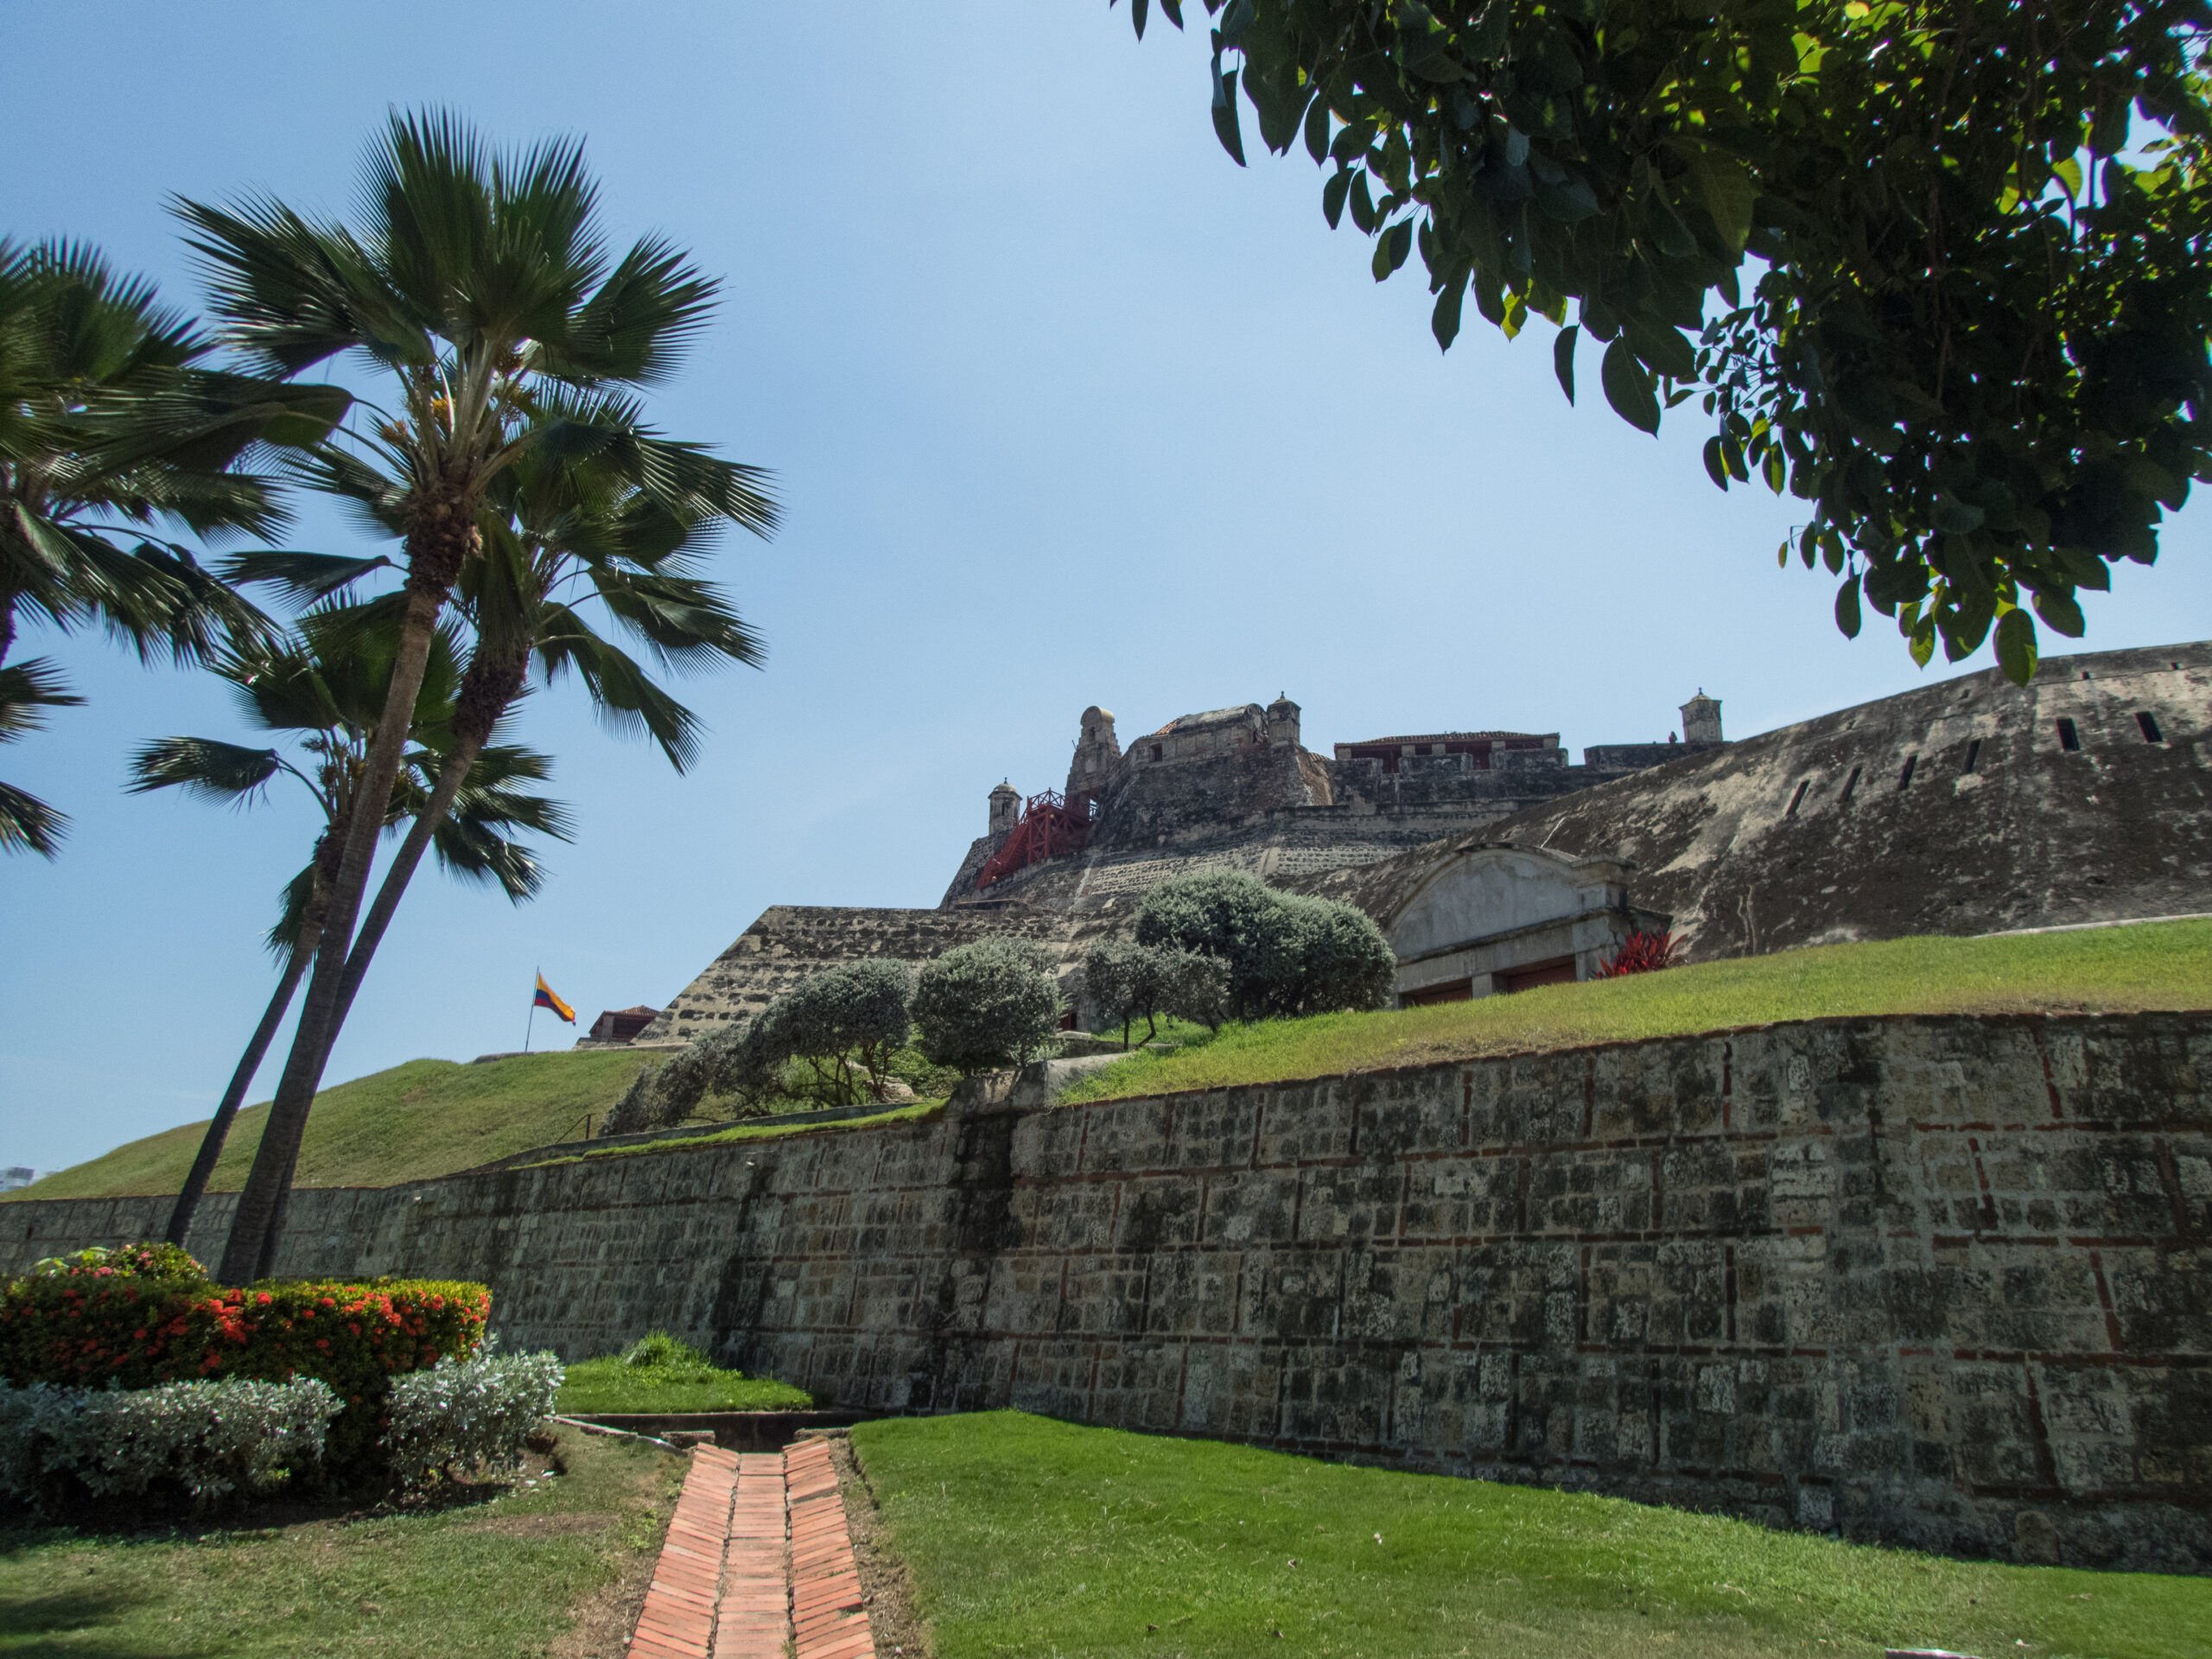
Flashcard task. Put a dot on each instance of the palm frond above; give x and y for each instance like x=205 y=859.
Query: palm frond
x=293 y=899
x=26 y=689
x=475 y=853
x=312 y=576
x=623 y=695
x=203 y=767
x=28 y=824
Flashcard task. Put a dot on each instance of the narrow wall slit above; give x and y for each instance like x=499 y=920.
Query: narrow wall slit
x=1974 y=753
x=1904 y=777
x=1798 y=798
x=2069 y=739
x=2149 y=722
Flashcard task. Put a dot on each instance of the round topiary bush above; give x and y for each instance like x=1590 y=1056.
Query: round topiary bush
x=990 y=1004
x=1286 y=953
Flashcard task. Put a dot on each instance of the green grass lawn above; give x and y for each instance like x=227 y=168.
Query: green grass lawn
x=500 y=1573
x=2165 y=965
x=674 y=1378
x=1030 y=1537
x=423 y=1119
x=750 y=1132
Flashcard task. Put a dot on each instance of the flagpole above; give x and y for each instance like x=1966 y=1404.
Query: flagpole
x=531 y=1025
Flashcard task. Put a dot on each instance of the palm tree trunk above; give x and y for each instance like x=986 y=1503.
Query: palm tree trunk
x=493 y=682
x=257 y=1214
x=451 y=776
x=210 y=1145
x=266 y=1266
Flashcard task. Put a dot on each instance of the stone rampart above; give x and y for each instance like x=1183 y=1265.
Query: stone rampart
x=1944 y=1282
x=1971 y=806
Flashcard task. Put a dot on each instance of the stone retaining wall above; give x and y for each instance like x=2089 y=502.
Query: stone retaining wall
x=1939 y=1281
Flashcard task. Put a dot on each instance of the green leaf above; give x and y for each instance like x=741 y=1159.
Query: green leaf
x=1137 y=10
x=1727 y=192
x=1317 y=130
x=1363 y=204
x=1714 y=464
x=1628 y=388
x=1665 y=349
x=1444 y=321
x=2061 y=611
x=1847 y=608
x=1563 y=359
x=2016 y=646
x=1391 y=249
x=2086 y=570
x=1922 y=642
x=2068 y=173
x=1226 y=125
x=1333 y=197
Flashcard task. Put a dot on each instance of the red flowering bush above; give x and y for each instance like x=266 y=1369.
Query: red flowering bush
x=83 y=1331
x=1641 y=953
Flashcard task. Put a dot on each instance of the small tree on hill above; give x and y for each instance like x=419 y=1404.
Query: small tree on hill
x=1131 y=981
x=1285 y=954
x=857 y=1015
x=989 y=1004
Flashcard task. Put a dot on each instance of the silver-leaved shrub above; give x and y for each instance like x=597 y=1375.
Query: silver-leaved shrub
x=210 y=1438
x=468 y=1415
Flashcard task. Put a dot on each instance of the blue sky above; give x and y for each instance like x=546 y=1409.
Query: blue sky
x=1065 y=408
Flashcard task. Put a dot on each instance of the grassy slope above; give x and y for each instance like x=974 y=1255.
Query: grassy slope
x=1027 y=1536
x=2168 y=965
x=425 y=1118
x=433 y=1117
x=499 y=1573
x=594 y=1386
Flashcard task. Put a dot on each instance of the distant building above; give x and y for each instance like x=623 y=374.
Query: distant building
x=622 y=1025
x=16 y=1177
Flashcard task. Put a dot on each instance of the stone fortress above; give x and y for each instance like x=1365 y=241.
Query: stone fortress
x=1970 y=806
x=1937 y=1280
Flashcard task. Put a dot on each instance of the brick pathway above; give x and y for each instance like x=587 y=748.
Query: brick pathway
x=826 y=1611
x=729 y=1585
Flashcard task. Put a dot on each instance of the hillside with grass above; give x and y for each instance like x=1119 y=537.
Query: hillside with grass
x=424 y=1119
x=429 y=1118
x=2165 y=965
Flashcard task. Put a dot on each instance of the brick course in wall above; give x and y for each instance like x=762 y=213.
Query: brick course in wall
x=1942 y=1281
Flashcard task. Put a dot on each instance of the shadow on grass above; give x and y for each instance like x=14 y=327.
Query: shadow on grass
x=51 y=1627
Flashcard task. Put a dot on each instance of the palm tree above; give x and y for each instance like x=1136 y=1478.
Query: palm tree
x=481 y=284
x=109 y=423
x=553 y=526
x=325 y=689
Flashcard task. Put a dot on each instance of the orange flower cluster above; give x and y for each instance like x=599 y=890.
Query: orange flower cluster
x=86 y=1329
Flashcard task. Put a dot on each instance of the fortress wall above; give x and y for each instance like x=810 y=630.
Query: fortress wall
x=1813 y=834
x=791 y=942
x=1945 y=1281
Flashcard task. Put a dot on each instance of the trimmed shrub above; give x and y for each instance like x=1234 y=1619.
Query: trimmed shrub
x=208 y=1438
x=1348 y=962
x=1129 y=981
x=985 y=1005
x=135 y=1333
x=463 y=1416
x=144 y=1260
x=1286 y=953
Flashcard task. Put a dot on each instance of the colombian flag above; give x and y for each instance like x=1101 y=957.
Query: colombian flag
x=545 y=999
